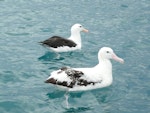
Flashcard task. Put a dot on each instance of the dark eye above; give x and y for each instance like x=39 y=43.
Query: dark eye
x=107 y=51
x=80 y=26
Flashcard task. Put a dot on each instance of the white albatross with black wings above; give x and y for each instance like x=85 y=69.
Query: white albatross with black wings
x=81 y=79
x=60 y=44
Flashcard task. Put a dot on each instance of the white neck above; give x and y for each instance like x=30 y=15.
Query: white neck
x=105 y=69
x=76 y=37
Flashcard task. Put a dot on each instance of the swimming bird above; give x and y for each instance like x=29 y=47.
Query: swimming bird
x=82 y=79
x=60 y=44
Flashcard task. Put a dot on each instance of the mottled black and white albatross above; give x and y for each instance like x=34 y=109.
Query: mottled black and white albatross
x=60 y=44
x=81 y=79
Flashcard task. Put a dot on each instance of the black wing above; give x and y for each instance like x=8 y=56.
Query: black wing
x=57 y=41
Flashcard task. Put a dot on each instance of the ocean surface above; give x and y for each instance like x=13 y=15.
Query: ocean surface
x=123 y=25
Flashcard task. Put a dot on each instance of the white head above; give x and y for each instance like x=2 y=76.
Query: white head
x=106 y=53
x=78 y=28
x=75 y=34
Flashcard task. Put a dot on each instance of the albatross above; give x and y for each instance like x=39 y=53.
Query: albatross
x=60 y=44
x=82 y=79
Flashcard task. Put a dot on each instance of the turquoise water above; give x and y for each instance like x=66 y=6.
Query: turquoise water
x=123 y=25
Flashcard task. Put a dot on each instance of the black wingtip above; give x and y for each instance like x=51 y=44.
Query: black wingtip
x=40 y=42
x=51 y=80
x=46 y=81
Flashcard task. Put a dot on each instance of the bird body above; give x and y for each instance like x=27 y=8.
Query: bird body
x=81 y=79
x=60 y=44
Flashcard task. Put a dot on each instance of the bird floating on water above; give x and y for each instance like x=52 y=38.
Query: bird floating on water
x=60 y=44
x=81 y=79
